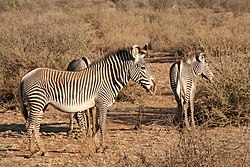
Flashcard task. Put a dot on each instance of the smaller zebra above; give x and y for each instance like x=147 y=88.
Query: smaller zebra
x=82 y=117
x=78 y=64
x=183 y=80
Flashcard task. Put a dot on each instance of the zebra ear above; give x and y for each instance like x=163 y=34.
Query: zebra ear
x=144 y=50
x=145 y=47
x=135 y=51
x=201 y=57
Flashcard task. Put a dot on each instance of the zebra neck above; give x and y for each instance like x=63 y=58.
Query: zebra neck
x=196 y=68
x=119 y=78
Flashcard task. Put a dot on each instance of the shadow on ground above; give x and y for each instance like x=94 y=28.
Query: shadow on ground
x=126 y=116
x=19 y=128
x=144 y=116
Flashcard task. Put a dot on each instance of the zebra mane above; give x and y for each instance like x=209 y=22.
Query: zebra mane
x=122 y=54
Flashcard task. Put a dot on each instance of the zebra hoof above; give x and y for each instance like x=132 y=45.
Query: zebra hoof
x=70 y=132
x=44 y=153
x=188 y=128
x=101 y=149
x=36 y=154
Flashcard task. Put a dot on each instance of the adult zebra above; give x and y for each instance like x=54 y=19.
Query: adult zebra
x=183 y=80
x=97 y=85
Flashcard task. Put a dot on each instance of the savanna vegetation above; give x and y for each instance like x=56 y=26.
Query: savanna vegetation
x=50 y=33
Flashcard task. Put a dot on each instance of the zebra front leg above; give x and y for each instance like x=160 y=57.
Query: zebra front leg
x=91 y=131
x=102 y=114
x=95 y=125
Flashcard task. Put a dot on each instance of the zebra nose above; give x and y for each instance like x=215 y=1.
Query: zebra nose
x=211 y=80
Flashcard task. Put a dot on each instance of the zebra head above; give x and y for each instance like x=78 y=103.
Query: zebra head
x=204 y=70
x=140 y=71
x=192 y=57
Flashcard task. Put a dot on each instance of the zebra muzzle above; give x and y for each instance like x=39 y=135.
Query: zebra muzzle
x=209 y=79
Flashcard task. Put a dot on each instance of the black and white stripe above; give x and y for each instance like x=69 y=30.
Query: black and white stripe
x=97 y=85
x=183 y=82
x=77 y=65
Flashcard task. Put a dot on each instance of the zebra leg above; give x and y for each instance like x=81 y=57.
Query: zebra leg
x=81 y=120
x=85 y=123
x=32 y=149
x=185 y=108
x=33 y=129
x=71 y=116
x=87 y=127
x=102 y=112
x=180 y=114
x=102 y=132
x=27 y=123
x=192 y=114
x=90 y=134
x=95 y=125
x=89 y=131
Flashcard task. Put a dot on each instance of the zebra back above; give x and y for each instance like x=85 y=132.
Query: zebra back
x=78 y=64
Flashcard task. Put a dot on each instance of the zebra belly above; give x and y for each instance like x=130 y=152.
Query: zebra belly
x=74 y=108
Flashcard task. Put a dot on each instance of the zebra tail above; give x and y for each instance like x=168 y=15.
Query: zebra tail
x=23 y=108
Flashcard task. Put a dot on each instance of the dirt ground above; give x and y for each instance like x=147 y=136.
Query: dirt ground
x=139 y=133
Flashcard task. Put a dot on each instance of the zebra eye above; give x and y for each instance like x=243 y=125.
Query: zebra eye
x=143 y=67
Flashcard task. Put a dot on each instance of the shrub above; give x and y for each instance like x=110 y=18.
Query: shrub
x=49 y=34
x=226 y=100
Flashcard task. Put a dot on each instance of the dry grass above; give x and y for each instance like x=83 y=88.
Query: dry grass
x=226 y=100
x=152 y=145
x=51 y=33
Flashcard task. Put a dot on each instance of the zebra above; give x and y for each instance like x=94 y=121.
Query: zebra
x=97 y=85
x=183 y=80
x=77 y=65
x=174 y=74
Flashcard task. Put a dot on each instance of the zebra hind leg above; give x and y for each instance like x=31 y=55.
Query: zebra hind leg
x=180 y=116
x=192 y=114
x=71 y=122
x=185 y=110
x=88 y=118
x=33 y=133
x=32 y=148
